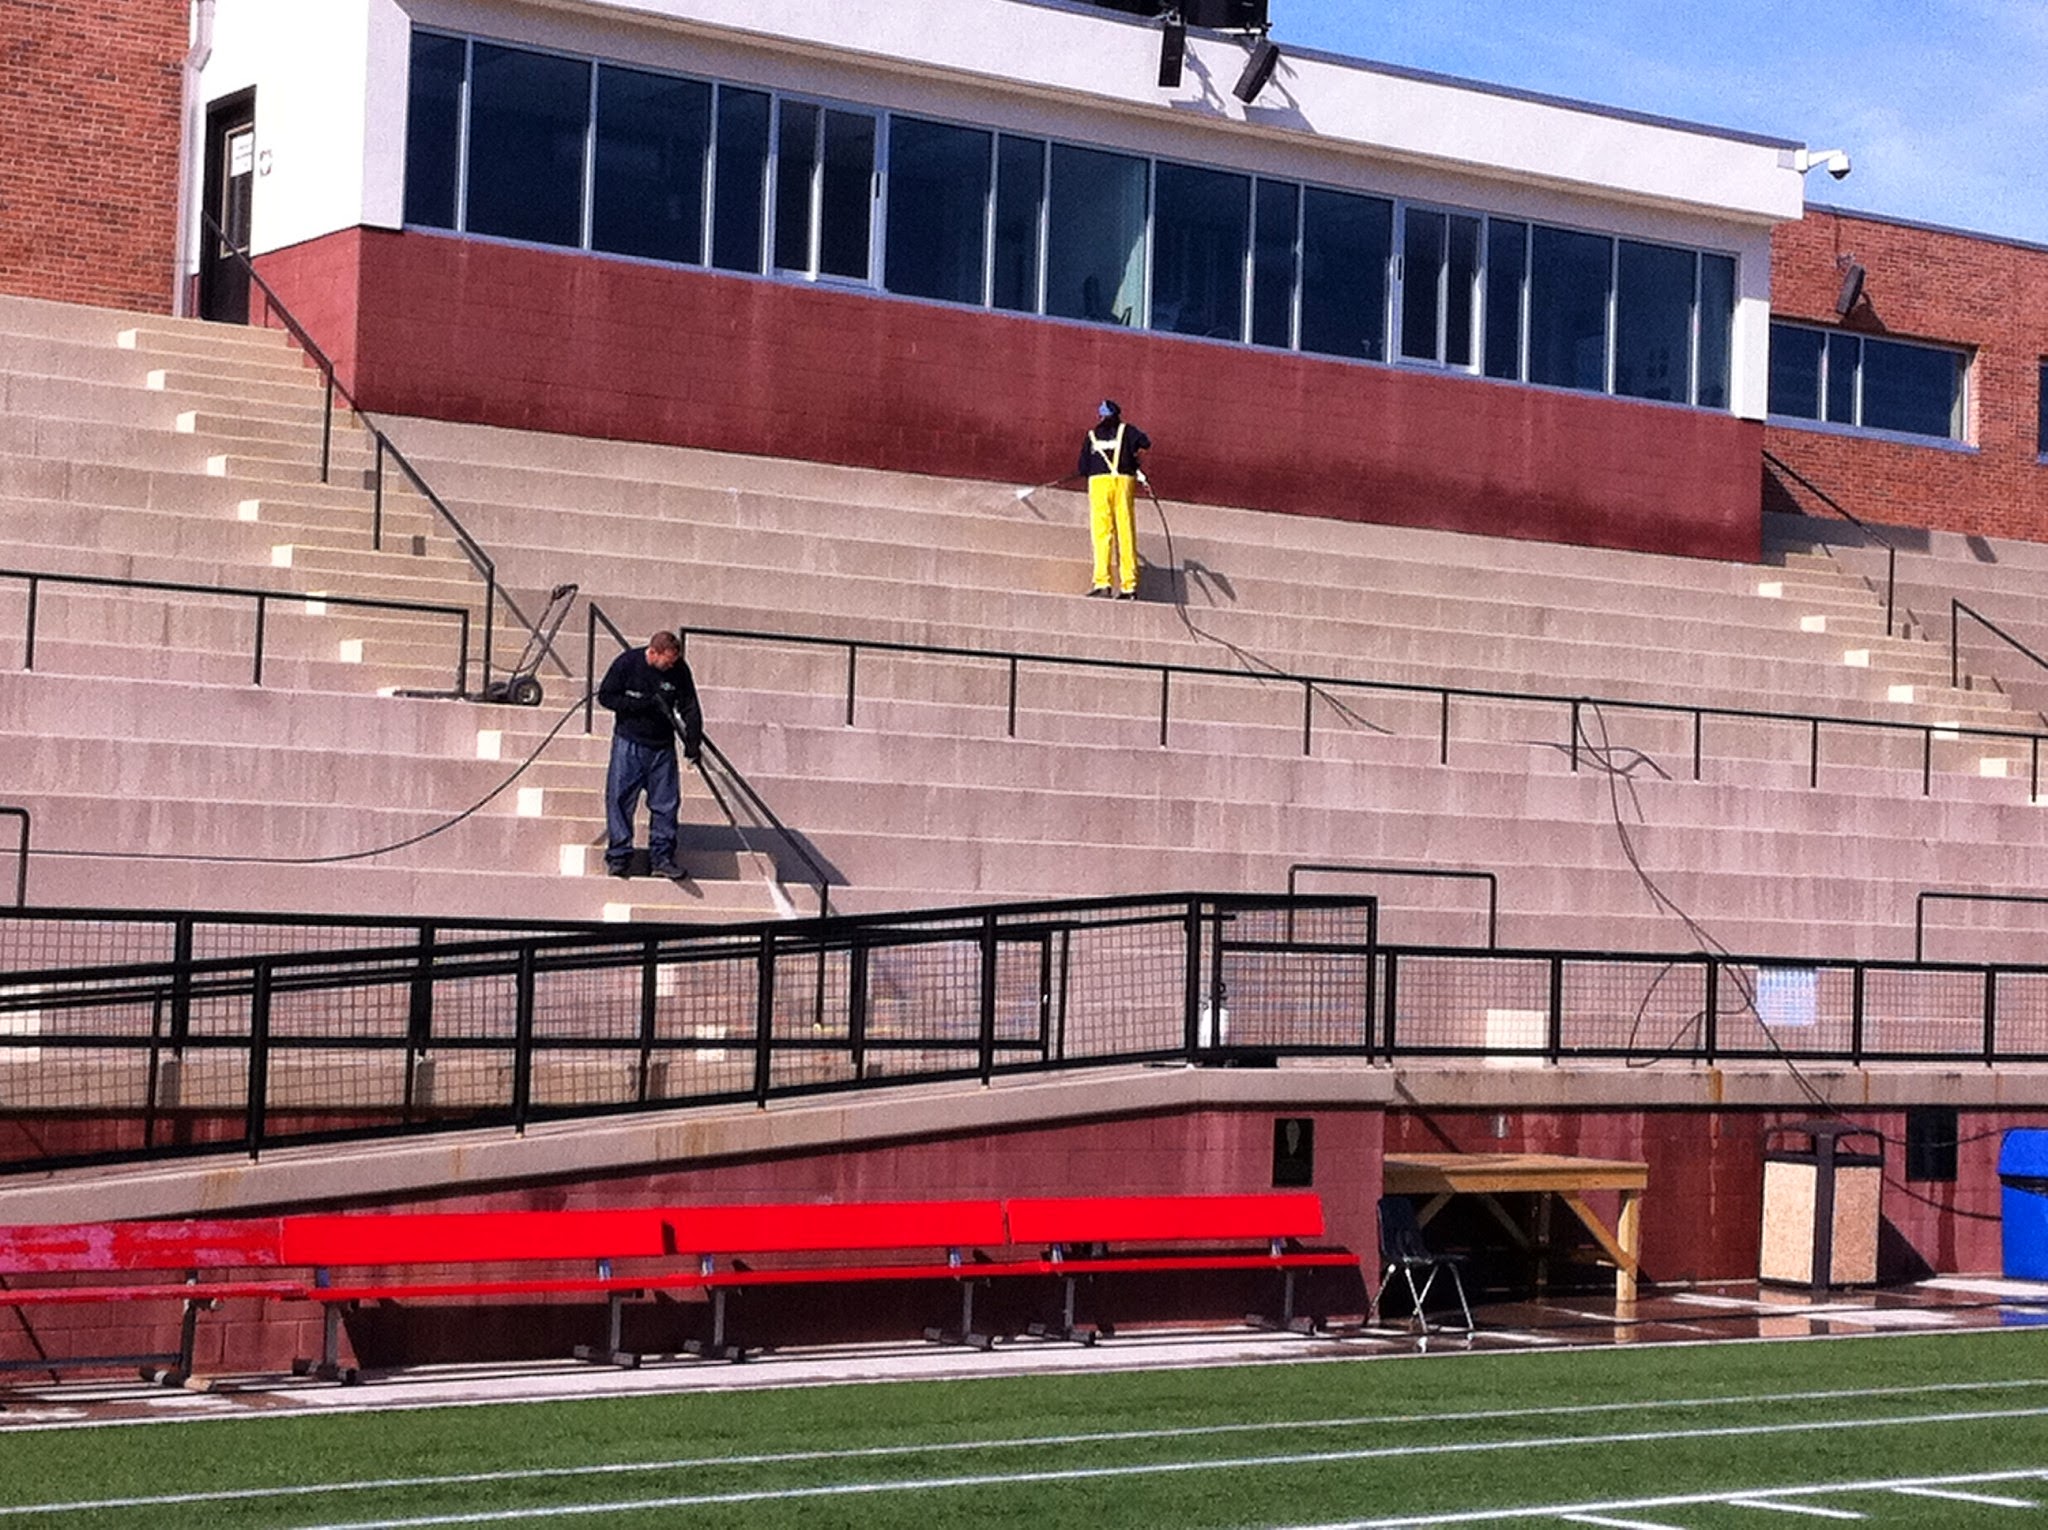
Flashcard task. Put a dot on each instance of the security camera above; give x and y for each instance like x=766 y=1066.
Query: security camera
x=1834 y=161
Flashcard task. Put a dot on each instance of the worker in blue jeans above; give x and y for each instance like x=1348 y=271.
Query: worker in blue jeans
x=650 y=693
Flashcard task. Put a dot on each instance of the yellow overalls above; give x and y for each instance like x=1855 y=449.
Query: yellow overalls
x=1111 y=496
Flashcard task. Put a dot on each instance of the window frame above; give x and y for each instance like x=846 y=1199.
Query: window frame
x=1834 y=336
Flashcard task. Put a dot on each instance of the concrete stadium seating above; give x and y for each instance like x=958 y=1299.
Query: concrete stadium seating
x=146 y=448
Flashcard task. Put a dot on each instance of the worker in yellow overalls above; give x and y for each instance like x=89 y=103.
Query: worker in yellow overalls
x=1109 y=461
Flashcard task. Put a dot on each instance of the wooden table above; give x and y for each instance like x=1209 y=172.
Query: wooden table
x=1443 y=1175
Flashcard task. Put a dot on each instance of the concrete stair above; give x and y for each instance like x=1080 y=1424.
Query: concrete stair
x=146 y=445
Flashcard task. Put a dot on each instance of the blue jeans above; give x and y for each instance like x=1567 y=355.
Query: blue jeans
x=637 y=768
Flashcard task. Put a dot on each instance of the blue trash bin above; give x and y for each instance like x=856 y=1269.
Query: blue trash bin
x=2023 y=1202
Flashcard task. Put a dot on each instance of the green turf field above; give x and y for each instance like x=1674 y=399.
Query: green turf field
x=1923 y=1431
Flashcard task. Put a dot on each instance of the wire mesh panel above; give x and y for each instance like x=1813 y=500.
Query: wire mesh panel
x=809 y=1025
x=311 y=1005
x=1923 y=1012
x=1498 y=1006
x=1774 y=1009
x=921 y=1003
x=2020 y=1030
x=1124 y=985
x=705 y=1008
x=1290 y=979
x=33 y=942
x=1644 y=1010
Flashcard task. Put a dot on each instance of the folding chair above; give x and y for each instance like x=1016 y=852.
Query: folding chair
x=1403 y=1248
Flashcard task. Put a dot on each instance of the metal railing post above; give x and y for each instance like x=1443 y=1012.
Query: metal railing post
x=259 y=1058
x=1711 y=1038
x=650 y=988
x=1165 y=700
x=1389 y=1007
x=1891 y=585
x=28 y=652
x=1856 y=996
x=262 y=614
x=1011 y=731
x=764 y=1018
x=522 y=1039
x=1308 y=708
x=857 y=1006
x=181 y=982
x=377 y=498
x=1191 y=996
x=1990 y=1016
x=988 y=997
x=327 y=429
x=852 y=668
x=1554 y=1047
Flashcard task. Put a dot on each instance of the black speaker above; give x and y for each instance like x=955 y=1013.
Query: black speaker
x=1852 y=289
x=1173 y=52
x=1225 y=15
x=1257 y=70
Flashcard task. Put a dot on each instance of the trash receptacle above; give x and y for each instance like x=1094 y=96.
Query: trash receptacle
x=2023 y=1202
x=1821 y=1205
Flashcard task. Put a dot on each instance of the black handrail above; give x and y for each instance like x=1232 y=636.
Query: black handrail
x=820 y=881
x=37 y=578
x=1958 y=609
x=1891 y=552
x=1943 y=895
x=1166 y=671
x=478 y=558
x=1354 y=868
x=21 y=855
x=1307 y=977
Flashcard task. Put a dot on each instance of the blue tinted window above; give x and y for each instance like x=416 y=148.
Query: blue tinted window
x=1095 y=250
x=739 y=176
x=1795 y=371
x=846 y=195
x=1568 y=285
x=1201 y=227
x=1653 y=322
x=433 y=129
x=1346 y=245
x=653 y=134
x=1020 y=205
x=1273 y=262
x=1914 y=388
x=938 y=210
x=529 y=122
x=1717 y=328
x=1507 y=269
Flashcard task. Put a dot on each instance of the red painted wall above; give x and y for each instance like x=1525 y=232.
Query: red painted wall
x=1955 y=289
x=533 y=339
x=90 y=93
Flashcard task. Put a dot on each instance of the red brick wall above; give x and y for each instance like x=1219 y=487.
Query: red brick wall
x=1956 y=289
x=466 y=330
x=90 y=93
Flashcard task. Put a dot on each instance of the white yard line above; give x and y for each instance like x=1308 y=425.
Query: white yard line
x=1027 y=1442
x=1992 y=1500
x=1214 y=1464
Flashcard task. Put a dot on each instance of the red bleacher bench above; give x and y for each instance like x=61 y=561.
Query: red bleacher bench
x=932 y=1240
x=127 y=1262
x=352 y=1259
x=1083 y=1237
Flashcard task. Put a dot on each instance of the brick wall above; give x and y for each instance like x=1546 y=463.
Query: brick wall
x=89 y=103
x=1956 y=289
x=532 y=339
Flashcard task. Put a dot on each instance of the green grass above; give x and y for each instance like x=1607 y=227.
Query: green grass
x=1278 y=1445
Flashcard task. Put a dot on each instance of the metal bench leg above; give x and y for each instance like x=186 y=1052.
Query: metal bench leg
x=966 y=1334
x=329 y=1367
x=1066 y=1328
x=716 y=1347
x=613 y=1351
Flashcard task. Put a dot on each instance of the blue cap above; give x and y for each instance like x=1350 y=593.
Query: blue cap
x=1107 y=409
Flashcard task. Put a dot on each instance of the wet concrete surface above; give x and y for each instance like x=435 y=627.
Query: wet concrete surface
x=1736 y=1312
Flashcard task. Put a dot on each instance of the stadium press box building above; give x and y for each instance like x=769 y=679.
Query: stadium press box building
x=930 y=237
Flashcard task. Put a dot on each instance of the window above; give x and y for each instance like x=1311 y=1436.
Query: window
x=1201 y=227
x=1507 y=278
x=1569 y=276
x=1717 y=325
x=739 y=179
x=1846 y=379
x=1653 y=302
x=1275 y=243
x=647 y=190
x=1020 y=211
x=1439 y=268
x=938 y=210
x=557 y=150
x=1347 y=245
x=433 y=129
x=1095 y=246
x=529 y=123
x=2041 y=413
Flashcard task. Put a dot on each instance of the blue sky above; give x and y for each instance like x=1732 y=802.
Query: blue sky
x=1942 y=104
